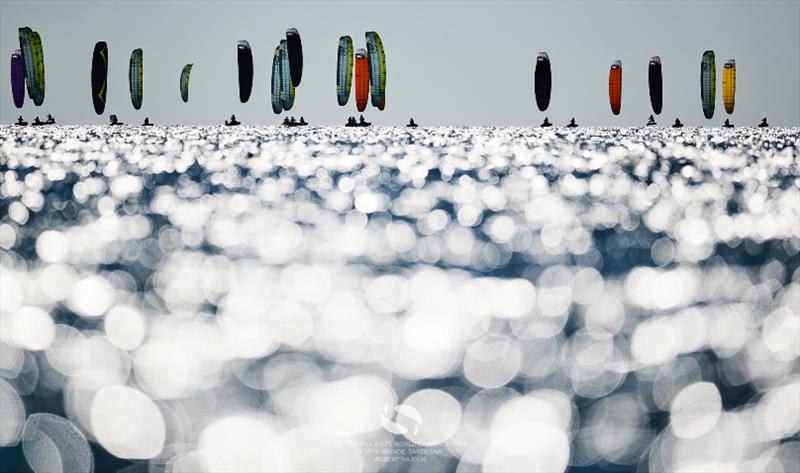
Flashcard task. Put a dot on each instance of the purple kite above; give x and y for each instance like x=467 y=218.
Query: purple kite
x=17 y=78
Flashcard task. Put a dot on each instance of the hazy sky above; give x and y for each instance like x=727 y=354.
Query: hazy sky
x=448 y=63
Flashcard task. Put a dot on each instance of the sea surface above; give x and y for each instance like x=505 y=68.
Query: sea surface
x=215 y=299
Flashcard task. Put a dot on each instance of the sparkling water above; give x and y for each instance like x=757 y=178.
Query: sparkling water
x=439 y=299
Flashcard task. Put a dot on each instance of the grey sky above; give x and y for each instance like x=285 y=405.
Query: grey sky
x=448 y=63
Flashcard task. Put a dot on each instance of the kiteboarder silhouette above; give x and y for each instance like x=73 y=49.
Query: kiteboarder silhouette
x=21 y=122
x=411 y=123
x=50 y=120
x=362 y=122
x=727 y=124
x=291 y=122
x=763 y=123
x=546 y=123
x=147 y=122
x=232 y=122
x=572 y=123
x=115 y=121
x=677 y=123
x=37 y=122
x=651 y=121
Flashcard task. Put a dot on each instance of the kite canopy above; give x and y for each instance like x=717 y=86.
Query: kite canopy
x=27 y=59
x=287 y=88
x=542 y=81
x=99 y=76
x=38 y=67
x=17 y=78
x=377 y=68
x=362 y=79
x=708 y=83
x=615 y=87
x=244 y=58
x=344 y=69
x=185 y=75
x=33 y=59
x=136 y=78
x=275 y=89
x=295 y=51
x=655 y=83
x=729 y=85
